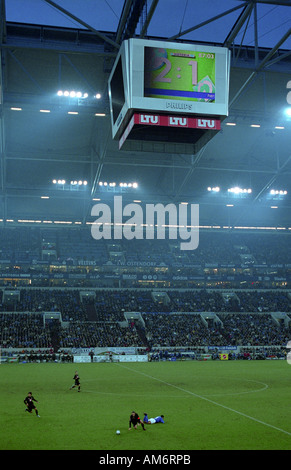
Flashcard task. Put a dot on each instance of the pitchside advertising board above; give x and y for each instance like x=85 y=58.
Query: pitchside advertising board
x=161 y=86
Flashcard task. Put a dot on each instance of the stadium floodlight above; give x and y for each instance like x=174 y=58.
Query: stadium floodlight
x=215 y=189
x=276 y=192
x=73 y=94
x=113 y=184
x=288 y=112
x=238 y=190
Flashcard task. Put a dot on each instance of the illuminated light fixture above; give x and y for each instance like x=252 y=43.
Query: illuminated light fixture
x=100 y=114
x=229 y=205
x=274 y=207
x=216 y=189
x=237 y=190
x=44 y=197
x=44 y=111
x=98 y=96
x=276 y=192
x=112 y=184
x=230 y=123
x=59 y=181
x=288 y=112
x=96 y=199
x=73 y=112
x=255 y=125
x=72 y=94
x=279 y=127
x=78 y=183
x=16 y=109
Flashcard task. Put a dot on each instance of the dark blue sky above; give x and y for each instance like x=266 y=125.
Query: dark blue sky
x=170 y=17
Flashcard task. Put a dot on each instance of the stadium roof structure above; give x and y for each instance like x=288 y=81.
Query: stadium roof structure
x=47 y=46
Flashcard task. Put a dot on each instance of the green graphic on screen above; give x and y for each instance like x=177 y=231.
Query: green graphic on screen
x=179 y=75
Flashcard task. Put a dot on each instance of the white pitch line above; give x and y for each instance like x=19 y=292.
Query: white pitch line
x=208 y=400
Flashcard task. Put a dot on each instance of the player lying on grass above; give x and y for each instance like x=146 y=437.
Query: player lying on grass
x=157 y=419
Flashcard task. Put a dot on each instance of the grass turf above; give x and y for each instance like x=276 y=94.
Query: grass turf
x=225 y=405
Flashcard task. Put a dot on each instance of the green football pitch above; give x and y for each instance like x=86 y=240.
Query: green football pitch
x=208 y=405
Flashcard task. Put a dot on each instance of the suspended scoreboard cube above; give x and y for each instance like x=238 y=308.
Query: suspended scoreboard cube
x=172 y=93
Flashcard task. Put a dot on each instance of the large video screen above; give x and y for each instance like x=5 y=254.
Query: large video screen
x=178 y=74
x=161 y=76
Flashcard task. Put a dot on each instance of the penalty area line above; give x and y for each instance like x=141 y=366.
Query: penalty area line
x=209 y=401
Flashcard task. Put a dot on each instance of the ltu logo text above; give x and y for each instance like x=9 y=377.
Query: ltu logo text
x=149 y=225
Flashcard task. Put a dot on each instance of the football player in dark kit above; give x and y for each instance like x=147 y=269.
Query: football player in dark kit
x=30 y=405
x=134 y=420
x=77 y=382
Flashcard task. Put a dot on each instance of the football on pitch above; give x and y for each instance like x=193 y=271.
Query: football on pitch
x=117 y=432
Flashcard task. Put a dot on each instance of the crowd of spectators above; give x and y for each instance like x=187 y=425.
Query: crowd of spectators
x=98 y=334
x=166 y=321
x=75 y=244
x=172 y=330
x=23 y=331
